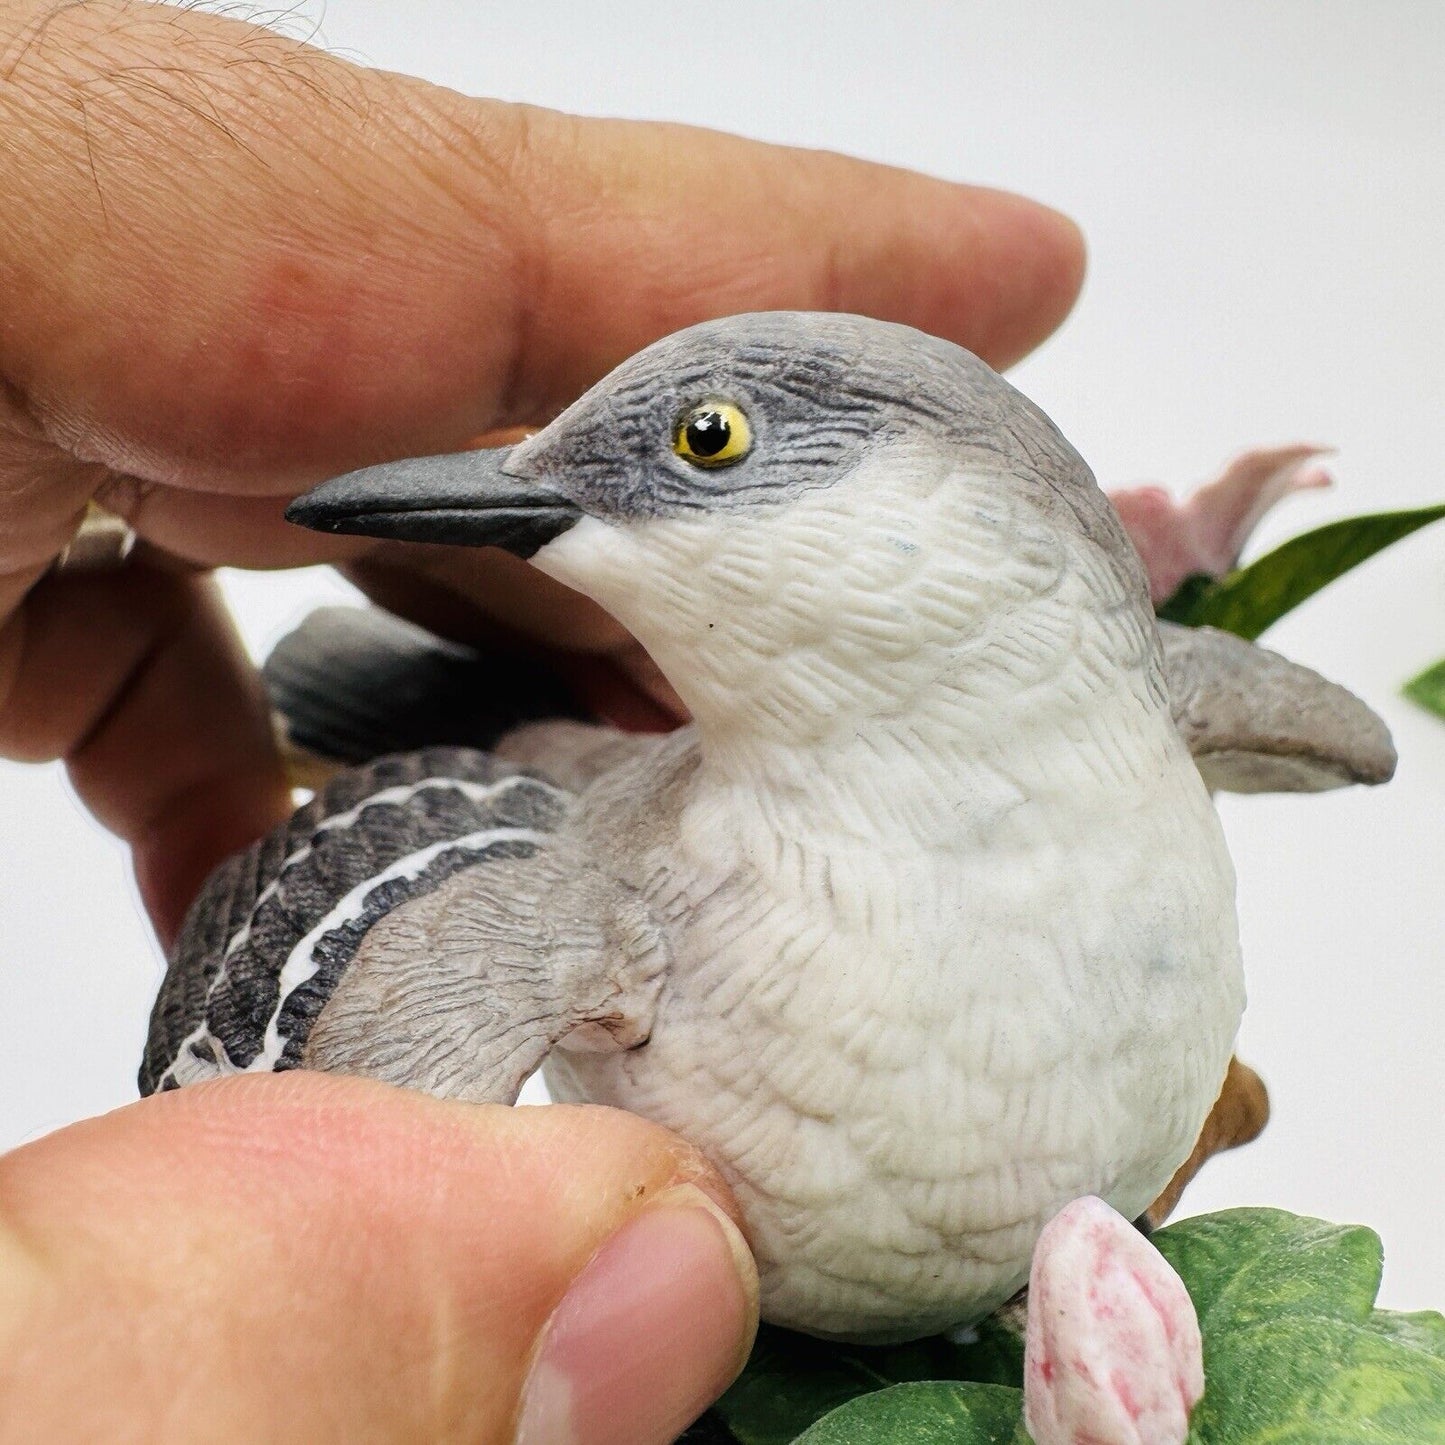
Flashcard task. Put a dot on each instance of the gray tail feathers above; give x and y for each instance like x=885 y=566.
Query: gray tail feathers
x=276 y=926
x=355 y=683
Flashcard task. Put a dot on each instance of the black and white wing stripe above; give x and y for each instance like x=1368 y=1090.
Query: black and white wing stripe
x=275 y=927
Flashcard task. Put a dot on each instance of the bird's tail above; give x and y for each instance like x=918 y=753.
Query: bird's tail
x=355 y=683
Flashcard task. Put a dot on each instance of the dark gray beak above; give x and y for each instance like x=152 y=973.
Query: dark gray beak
x=467 y=499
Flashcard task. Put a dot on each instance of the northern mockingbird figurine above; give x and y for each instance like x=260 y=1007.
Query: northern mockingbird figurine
x=922 y=929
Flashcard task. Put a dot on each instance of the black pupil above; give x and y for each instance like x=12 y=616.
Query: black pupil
x=708 y=432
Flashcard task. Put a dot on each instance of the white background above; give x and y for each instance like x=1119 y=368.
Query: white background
x=1263 y=189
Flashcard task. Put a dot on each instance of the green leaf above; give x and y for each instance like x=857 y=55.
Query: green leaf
x=793 y=1380
x=1244 y=1264
x=1424 y=1330
x=1188 y=598
x=1429 y=689
x=934 y=1413
x=789 y=1382
x=1253 y=598
x=1294 y=1352
x=1319 y=1382
x=709 y=1430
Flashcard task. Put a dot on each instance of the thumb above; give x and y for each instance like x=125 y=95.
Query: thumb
x=312 y=1258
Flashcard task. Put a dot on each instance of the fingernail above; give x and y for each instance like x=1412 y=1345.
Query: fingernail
x=653 y=1330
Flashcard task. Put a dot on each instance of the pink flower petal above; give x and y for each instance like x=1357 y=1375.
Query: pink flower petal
x=1207 y=531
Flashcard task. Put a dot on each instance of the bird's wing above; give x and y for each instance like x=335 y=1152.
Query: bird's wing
x=1258 y=723
x=355 y=683
x=425 y=920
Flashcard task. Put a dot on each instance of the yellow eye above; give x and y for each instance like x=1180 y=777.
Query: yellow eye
x=714 y=434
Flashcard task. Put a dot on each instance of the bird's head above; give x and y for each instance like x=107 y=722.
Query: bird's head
x=800 y=515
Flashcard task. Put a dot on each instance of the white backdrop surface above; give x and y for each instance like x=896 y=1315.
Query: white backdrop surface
x=1263 y=191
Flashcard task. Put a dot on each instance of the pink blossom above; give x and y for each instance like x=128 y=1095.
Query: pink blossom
x=1112 y=1354
x=1206 y=532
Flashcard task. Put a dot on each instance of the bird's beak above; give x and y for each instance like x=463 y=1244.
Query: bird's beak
x=467 y=499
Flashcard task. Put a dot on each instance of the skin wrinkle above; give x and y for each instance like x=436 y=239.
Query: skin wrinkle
x=424 y=136
x=529 y=279
x=128 y=497
x=497 y=149
x=43 y=493
x=35 y=743
x=34 y=34
x=136 y=82
x=156 y=646
x=16 y=417
x=123 y=24
x=151 y=82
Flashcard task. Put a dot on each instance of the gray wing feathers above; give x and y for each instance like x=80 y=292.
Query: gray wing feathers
x=278 y=926
x=518 y=957
x=1256 y=722
x=220 y=910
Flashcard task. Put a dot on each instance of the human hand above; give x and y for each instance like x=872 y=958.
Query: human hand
x=304 y=1257
x=234 y=265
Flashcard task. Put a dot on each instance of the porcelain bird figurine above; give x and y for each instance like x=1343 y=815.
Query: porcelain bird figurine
x=924 y=928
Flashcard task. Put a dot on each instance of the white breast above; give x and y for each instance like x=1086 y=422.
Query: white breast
x=951 y=912
x=906 y=1059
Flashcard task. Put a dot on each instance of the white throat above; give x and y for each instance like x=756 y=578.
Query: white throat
x=916 y=642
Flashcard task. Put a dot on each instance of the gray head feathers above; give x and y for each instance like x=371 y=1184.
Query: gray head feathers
x=820 y=392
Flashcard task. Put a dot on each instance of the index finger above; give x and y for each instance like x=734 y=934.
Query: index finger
x=245 y=263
